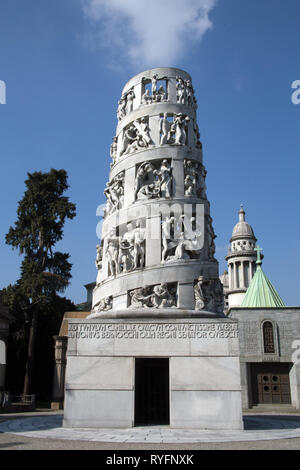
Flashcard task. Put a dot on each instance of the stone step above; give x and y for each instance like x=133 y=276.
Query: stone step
x=278 y=408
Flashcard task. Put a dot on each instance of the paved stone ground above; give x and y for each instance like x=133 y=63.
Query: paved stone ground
x=44 y=431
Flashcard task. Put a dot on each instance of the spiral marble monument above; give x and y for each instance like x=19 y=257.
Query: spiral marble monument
x=156 y=348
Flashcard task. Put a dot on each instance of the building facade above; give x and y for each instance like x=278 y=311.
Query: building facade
x=269 y=332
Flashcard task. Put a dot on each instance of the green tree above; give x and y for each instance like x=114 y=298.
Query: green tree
x=42 y=213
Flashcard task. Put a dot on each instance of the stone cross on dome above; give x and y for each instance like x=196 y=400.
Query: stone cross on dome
x=258 y=249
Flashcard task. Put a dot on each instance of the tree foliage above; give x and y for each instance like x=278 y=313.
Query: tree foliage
x=42 y=213
x=34 y=299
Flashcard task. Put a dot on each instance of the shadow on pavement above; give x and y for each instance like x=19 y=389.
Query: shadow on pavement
x=265 y=422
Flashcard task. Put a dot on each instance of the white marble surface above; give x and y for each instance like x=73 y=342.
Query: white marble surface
x=206 y=409
x=100 y=373
x=257 y=427
x=205 y=373
x=98 y=408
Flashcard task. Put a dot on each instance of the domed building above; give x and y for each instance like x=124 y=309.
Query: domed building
x=241 y=259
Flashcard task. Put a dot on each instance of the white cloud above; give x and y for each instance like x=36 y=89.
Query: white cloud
x=150 y=33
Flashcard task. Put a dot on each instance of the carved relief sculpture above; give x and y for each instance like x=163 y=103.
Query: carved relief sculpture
x=153 y=180
x=158 y=296
x=210 y=237
x=126 y=253
x=121 y=111
x=114 y=193
x=112 y=254
x=146 y=98
x=179 y=241
x=190 y=177
x=194 y=179
x=113 y=150
x=185 y=92
x=104 y=305
x=165 y=130
x=136 y=136
x=125 y=105
x=179 y=129
x=209 y=295
x=180 y=90
x=158 y=94
x=99 y=257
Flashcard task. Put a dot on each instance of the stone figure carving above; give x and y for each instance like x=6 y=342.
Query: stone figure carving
x=201 y=183
x=161 y=94
x=130 y=141
x=154 y=85
x=189 y=91
x=112 y=254
x=144 y=177
x=179 y=244
x=104 y=305
x=125 y=261
x=179 y=129
x=146 y=98
x=125 y=105
x=209 y=295
x=164 y=175
x=158 y=93
x=138 y=251
x=189 y=186
x=211 y=237
x=190 y=177
x=185 y=92
x=121 y=111
x=113 y=150
x=136 y=136
x=163 y=296
x=141 y=297
x=174 y=132
x=158 y=296
x=129 y=101
x=148 y=191
x=180 y=89
x=167 y=235
x=126 y=253
x=114 y=193
x=165 y=130
x=194 y=179
x=153 y=181
x=99 y=257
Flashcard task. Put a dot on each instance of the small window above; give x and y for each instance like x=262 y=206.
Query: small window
x=268 y=337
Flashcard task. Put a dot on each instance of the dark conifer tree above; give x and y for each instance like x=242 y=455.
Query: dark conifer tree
x=42 y=213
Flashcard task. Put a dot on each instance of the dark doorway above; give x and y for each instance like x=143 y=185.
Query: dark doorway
x=151 y=402
x=270 y=383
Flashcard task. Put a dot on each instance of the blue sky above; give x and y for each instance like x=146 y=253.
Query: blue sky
x=65 y=63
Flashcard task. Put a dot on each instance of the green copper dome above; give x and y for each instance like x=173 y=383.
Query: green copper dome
x=261 y=292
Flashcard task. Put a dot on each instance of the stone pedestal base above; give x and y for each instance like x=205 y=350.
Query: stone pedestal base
x=204 y=371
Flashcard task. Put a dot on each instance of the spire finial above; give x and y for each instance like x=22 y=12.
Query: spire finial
x=242 y=214
x=258 y=249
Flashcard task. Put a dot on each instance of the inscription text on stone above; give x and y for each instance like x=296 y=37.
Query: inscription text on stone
x=153 y=331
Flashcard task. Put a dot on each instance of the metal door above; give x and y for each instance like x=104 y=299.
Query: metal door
x=271 y=383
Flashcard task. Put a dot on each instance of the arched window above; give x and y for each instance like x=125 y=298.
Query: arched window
x=268 y=337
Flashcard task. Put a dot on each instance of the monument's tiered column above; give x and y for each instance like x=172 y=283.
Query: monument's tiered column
x=158 y=293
